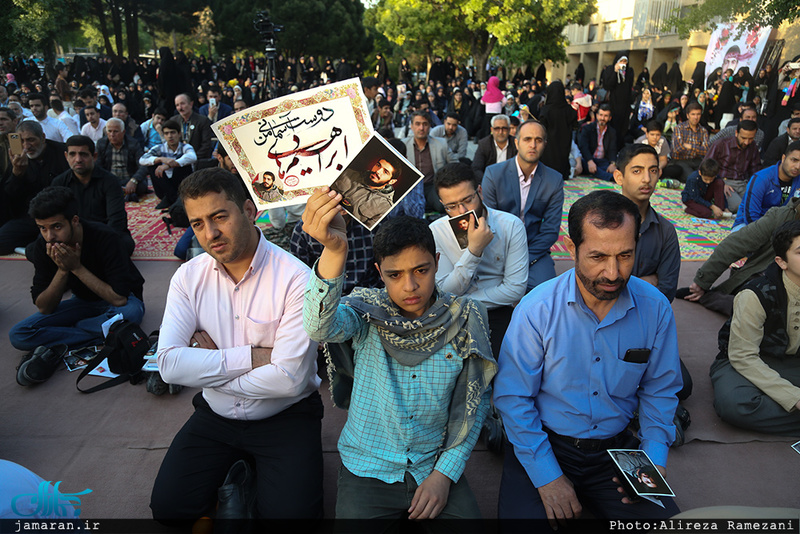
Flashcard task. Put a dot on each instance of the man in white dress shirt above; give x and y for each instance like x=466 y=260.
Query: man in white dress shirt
x=494 y=267
x=233 y=325
x=54 y=129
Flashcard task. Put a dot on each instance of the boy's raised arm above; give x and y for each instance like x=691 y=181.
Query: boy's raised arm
x=323 y=221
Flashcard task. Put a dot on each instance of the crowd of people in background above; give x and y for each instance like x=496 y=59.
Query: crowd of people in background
x=103 y=130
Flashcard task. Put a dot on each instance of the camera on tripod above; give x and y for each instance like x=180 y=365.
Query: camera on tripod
x=266 y=28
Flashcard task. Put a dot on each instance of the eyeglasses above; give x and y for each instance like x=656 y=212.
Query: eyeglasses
x=464 y=202
x=501 y=128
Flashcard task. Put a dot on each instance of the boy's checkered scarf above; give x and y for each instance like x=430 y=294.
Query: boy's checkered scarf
x=459 y=320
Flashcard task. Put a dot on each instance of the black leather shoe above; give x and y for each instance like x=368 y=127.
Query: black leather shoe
x=237 y=495
x=493 y=426
x=163 y=204
x=682 y=293
x=40 y=364
x=682 y=420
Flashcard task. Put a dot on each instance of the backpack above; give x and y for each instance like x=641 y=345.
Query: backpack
x=125 y=347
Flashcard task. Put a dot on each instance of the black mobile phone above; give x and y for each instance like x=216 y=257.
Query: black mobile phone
x=637 y=355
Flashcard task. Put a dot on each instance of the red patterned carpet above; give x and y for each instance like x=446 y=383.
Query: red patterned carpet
x=149 y=231
x=697 y=237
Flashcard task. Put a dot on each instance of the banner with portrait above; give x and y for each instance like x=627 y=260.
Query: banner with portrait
x=287 y=148
x=730 y=50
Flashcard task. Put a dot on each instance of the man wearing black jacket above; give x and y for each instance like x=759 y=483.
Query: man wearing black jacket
x=33 y=170
x=495 y=148
x=195 y=128
x=97 y=190
x=119 y=154
x=598 y=145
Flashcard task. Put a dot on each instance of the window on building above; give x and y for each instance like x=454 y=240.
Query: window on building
x=608 y=30
x=625 y=29
x=592 y=35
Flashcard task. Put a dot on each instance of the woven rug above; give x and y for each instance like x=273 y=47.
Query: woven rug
x=697 y=237
x=153 y=242
x=149 y=232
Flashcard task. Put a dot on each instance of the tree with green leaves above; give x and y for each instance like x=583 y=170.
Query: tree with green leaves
x=311 y=27
x=532 y=26
x=34 y=26
x=751 y=13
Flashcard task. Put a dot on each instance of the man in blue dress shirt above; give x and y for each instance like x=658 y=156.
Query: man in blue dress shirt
x=583 y=352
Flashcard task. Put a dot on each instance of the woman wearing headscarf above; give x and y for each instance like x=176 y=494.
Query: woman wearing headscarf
x=660 y=78
x=743 y=82
x=726 y=103
x=560 y=121
x=184 y=73
x=460 y=105
x=671 y=119
x=519 y=77
x=511 y=105
x=493 y=102
x=643 y=110
x=643 y=79
x=404 y=73
x=618 y=81
x=580 y=73
x=541 y=75
x=708 y=109
x=168 y=85
x=675 y=79
x=699 y=76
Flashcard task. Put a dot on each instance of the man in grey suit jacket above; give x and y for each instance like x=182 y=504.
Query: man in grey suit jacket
x=429 y=154
x=523 y=181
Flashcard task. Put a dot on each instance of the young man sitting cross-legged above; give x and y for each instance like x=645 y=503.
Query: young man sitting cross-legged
x=420 y=363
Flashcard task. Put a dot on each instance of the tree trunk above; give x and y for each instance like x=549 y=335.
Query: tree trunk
x=101 y=17
x=50 y=59
x=132 y=29
x=481 y=46
x=174 y=42
x=428 y=65
x=116 y=20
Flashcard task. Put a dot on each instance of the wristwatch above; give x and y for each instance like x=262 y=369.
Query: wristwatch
x=135 y=181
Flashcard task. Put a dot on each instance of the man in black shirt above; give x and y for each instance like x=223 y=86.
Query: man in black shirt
x=97 y=191
x=86 y=258
x=33 y=170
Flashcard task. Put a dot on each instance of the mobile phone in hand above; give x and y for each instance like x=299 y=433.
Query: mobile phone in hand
x=15 y=142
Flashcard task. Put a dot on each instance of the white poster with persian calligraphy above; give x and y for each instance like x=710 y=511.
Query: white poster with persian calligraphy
x=289 y=147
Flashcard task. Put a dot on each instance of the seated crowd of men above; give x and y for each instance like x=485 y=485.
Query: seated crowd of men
x=425 y=340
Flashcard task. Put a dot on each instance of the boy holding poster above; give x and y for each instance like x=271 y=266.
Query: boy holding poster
x=415 y=378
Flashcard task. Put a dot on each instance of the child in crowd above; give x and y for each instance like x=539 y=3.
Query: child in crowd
x=415 y=377
x=704 y=194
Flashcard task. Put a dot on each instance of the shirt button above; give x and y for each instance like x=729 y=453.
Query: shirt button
x=321 y=290
x=449 y=355
x=408 y=449
x=595 y=393
x=597 y=359
x=236 y=289
x=236 y=317
x=594 y=427
x=413 y=376
x=411 y=417
x=238 y=404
